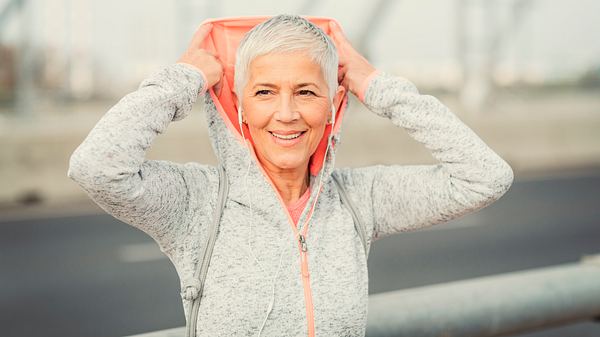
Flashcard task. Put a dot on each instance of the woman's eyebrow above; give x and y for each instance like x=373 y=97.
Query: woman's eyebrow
x=271 y=85
x=306 y=84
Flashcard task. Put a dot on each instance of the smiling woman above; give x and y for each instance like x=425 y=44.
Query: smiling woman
x=286 y=105
x=288 y=260
x=287 y=91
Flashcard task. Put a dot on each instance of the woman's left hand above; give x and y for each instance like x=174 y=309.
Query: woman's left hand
x=353 y=68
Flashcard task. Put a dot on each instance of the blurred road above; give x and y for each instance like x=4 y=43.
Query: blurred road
x=91 y=275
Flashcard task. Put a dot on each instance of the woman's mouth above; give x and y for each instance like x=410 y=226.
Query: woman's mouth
x=287 y=138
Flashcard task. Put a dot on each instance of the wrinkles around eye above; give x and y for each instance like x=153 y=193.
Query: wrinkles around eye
x=265 y=92
x=262 y=92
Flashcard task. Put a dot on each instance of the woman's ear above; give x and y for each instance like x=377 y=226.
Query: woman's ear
x=239 y=108
x=338 y=97
x=235 y=98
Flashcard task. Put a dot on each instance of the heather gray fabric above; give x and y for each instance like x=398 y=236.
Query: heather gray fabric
x=174 y=203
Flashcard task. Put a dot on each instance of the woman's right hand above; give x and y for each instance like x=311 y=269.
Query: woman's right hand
x=204 y=60
x=354 y=69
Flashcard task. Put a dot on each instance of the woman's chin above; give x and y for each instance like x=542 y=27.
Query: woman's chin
x=289 y=163
x=289 y=166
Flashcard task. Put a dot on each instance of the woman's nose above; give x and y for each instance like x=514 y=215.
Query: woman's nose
x=287 y=110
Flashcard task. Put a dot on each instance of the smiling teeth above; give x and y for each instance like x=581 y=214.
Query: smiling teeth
x=292 y=136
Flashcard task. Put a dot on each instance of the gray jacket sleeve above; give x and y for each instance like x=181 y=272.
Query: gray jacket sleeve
x=109 y=165
x=399 y=198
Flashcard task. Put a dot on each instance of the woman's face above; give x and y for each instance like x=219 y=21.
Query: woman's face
x=286 y=107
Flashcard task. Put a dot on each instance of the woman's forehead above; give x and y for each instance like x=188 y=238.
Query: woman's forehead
x=294 y=68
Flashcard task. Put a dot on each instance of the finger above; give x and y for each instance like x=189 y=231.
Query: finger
x=201 y=34
x=219 y=85
x=217 y=88
x=341 y=78
x=333 y=28
x=342 y=59
x=343 y=84
x=341 y=73
x=337 y=33
x=341 y=43
x=334 y=34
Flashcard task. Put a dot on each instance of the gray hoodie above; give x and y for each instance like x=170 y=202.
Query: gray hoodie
x=319 y=291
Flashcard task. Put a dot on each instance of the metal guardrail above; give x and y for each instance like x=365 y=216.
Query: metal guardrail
x=497 y=305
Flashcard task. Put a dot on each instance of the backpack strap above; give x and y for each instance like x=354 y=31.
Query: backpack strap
x=358 y=224
x=194 y=291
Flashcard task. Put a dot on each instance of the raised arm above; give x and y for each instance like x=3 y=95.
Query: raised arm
x=109 y=164
x=468 y=177
x=397 y=198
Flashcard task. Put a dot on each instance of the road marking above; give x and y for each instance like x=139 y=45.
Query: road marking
x=140 y=252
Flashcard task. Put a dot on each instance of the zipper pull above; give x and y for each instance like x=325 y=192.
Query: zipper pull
x=303 y=242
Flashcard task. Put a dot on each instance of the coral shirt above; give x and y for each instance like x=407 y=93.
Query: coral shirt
x=297 y=207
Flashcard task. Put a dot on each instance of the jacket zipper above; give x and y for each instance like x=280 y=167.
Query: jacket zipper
x=302 y=246
x=306 y=283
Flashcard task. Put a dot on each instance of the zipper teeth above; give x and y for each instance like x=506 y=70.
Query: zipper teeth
x=306 y=279
x=308 y=298
x=305 y=274
x=303 y=255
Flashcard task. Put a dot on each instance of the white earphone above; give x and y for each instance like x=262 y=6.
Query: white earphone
x=333 y=110
x=271 y=302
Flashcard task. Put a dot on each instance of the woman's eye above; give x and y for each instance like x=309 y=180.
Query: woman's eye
x=263 y=92
x=306 y=93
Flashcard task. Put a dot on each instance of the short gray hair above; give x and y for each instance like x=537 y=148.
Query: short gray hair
x=286 y=33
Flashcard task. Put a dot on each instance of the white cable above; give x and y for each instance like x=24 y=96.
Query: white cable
x=272 y=295
x=314 y=203
x=270 y=308
x=271 y=303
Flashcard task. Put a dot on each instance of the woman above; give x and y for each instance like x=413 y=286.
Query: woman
x=287 y=260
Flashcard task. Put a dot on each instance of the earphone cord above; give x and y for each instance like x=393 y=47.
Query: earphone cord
x=271 y=303
x=250 y=246
x=281 y=255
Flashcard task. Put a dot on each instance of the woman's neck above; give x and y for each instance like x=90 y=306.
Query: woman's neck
x=291 y=183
